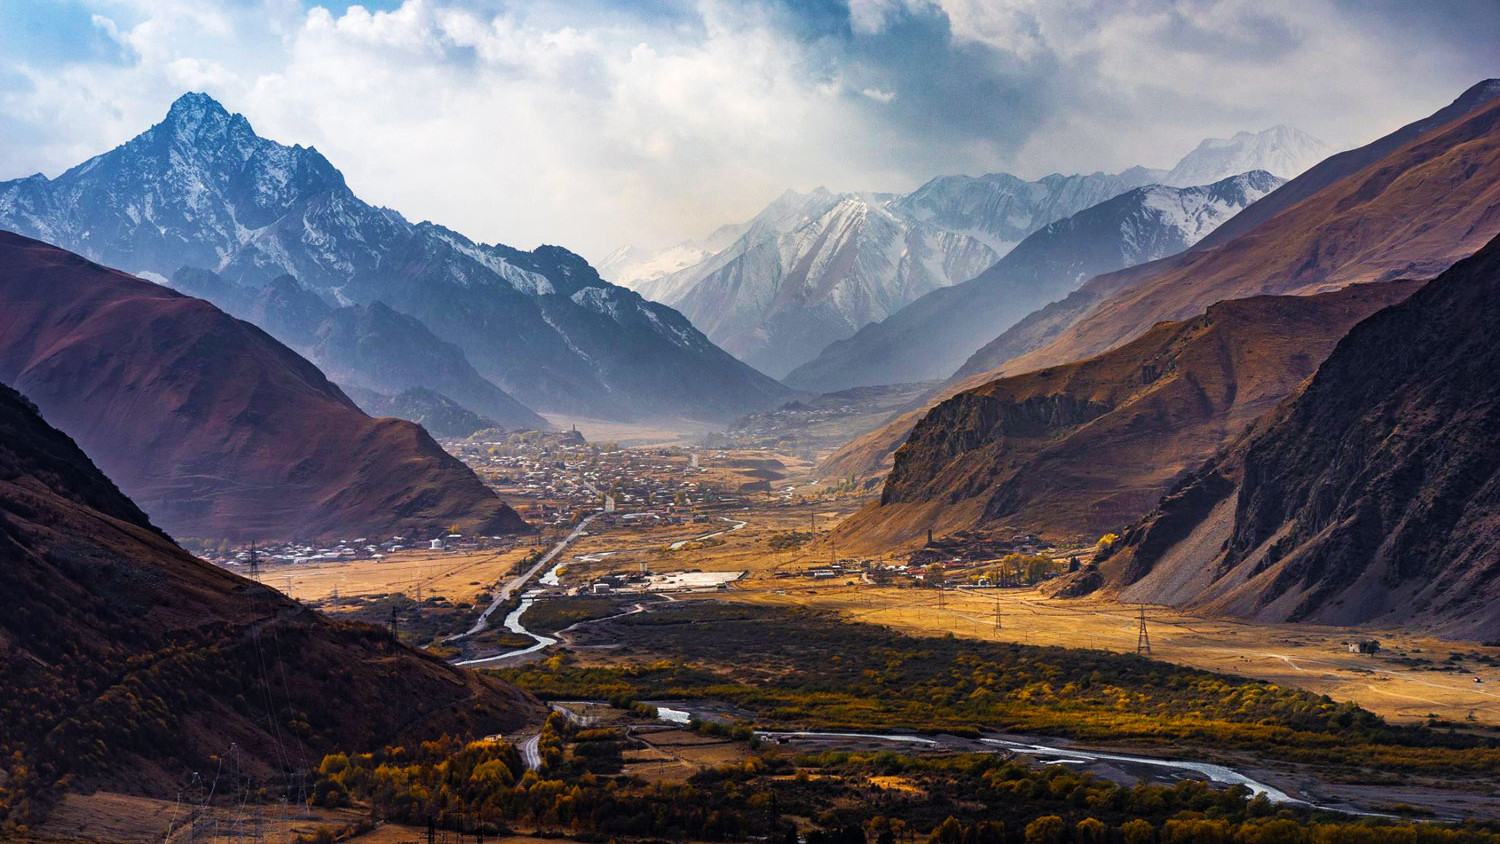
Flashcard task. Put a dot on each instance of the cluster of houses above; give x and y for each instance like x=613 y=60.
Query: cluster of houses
x=554 y=479
x=361 y=548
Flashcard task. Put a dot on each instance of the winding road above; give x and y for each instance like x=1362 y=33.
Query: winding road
x=519 y=581
x=737 y=525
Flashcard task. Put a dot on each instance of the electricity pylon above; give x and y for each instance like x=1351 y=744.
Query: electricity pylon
x=1142 y=639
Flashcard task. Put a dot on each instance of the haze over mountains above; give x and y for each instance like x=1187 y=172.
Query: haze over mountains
x=1373 y=495
x=217 y=430
x=933 y=336
x=1411 y=213
x=128 y=664
x=1081 y=449
x=817 y=267
x=369 y=350
x=1405 y=206
x=202 y=190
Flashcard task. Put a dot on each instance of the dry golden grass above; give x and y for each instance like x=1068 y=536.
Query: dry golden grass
x=457 y=576
x=673 y=754
x=1301 y=656
x=106 y=816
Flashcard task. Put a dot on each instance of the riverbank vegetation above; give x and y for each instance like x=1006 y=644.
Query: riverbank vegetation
x=805 y=668
x=827 y=798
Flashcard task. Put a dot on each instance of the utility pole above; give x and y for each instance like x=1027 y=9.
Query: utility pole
x=1142 y=640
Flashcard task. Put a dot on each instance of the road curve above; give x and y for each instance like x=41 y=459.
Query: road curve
x=519 y=581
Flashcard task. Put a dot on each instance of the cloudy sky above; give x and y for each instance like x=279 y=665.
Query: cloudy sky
x=594 y=124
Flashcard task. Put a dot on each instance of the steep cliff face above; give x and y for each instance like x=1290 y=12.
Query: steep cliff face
x=1078 y=450
x=1373 y=495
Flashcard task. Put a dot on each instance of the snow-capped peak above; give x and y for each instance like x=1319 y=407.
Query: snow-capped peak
x=1281 y=150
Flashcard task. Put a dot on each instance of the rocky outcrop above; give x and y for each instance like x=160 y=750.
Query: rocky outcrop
x=1371 y=496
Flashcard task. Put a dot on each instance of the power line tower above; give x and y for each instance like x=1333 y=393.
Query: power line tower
x=254 y=563
x=1142 y=639
x=394 y=625
x=942 y=591
x=998 y=625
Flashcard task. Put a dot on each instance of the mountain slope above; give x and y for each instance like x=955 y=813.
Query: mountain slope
x=779 y=302
x=438 y=414
x=127 y=664
x=1346 y=163
x=815 y=267
x=666 y=275
x=1082 y=449
x=1372 y=496
x=201 y=189
x=214 y=428
x=1410 y=213
x=933 y=336
x=359 y=347
x=1410 y=207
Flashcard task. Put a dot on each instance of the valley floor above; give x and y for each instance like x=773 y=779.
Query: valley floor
x=1412 y=678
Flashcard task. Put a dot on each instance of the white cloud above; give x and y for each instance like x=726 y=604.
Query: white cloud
x=576 y=123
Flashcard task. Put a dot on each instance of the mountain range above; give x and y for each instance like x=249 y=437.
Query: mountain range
x=1282 y=150
x=933 y=336
x=1405 y=206
x=127 y=664
x=1081 y=449
x=213 y=427
x=202 y=190
x=368 y=350
x=1408 y=213
x=813 y=268
x=1371 y=496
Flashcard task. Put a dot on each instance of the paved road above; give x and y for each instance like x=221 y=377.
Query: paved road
x=531 y=752
x=519 y=581
x=737 y=525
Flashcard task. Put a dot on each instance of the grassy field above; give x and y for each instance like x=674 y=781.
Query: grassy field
x=457 y=576
x=1413 y=678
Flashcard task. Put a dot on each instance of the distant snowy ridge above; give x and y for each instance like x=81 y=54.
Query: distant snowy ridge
x=816 y=267
x=1279 y=150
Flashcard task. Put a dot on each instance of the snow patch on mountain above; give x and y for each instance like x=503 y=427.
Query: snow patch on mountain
x=1281 y=150
x=201 y=189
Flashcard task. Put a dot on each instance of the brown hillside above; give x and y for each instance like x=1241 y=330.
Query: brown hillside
x=1371 y=496
x=1081 y=449
x=214 y=428
x=127 y=664
x=1409 y=214
x=1420 y=199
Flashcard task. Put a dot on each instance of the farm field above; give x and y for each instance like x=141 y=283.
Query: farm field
x=458 y=576
x=1412 y=678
